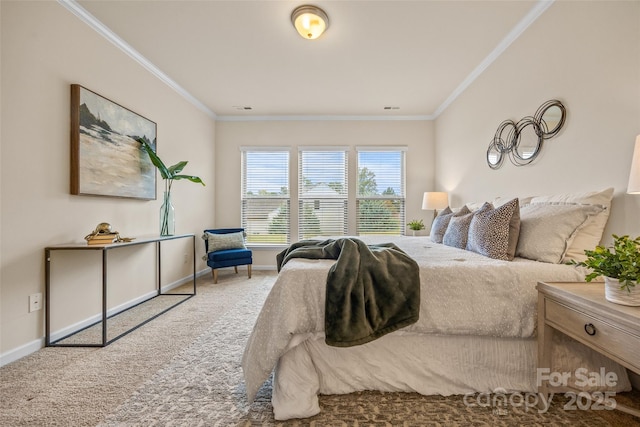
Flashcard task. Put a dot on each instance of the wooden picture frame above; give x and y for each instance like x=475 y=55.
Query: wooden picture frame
x=106 y=158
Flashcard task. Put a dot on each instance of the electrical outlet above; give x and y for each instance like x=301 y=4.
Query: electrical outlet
x=186 y=258
x=35 y=302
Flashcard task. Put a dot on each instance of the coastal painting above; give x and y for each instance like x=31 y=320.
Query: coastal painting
x=106 y=158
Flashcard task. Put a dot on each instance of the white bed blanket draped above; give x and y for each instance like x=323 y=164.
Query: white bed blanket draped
x=462 y=293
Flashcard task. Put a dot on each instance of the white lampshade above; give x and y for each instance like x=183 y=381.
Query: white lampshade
x=310 y=21
x=435 y=200
x=634 y=176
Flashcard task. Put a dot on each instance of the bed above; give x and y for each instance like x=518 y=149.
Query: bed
x=476 y=330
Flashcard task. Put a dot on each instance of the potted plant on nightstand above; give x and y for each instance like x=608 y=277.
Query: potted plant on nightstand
x=416 y=225
x=620 y=266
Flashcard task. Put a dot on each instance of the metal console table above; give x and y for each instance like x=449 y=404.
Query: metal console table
x=105 y=250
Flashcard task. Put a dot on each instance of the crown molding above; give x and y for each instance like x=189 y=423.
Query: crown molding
x=106 y=32
x=538 y=9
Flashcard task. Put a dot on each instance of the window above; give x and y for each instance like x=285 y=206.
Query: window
x=265 y=195
x=381 y=191
x=322 y=192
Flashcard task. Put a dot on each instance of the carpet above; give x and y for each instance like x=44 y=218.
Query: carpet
x=125 y=321
x=183 y=369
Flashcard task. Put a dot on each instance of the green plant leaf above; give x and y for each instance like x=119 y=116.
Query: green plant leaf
x=190 y=178
x=416 y=225
x=177 y=168
x=168 y=173
x=164 y=171
x=621 y=261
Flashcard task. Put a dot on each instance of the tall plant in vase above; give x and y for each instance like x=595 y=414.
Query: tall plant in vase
x=169 y=174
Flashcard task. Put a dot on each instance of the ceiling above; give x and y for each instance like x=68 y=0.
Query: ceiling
x=414 y=56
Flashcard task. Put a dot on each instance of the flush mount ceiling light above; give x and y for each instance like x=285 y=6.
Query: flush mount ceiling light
x=310 y=21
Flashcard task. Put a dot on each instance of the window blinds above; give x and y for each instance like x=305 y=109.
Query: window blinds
x=265 y=195
x=322 y=192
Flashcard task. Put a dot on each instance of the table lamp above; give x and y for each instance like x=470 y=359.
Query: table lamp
x=439 y=200
x=634 y=176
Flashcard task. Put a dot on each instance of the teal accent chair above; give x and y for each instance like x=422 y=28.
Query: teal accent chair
x=227 y=257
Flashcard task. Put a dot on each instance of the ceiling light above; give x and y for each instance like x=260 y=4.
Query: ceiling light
x=310 y=21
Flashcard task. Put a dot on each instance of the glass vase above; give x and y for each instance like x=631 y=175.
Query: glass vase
x=167 y=216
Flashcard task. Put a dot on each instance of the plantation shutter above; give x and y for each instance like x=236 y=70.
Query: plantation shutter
x=380 y=196
x=322 y=192
x=265 y=195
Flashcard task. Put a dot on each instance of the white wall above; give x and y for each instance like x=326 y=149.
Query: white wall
x=45 y=49
x=230 y=136
x=586 y=54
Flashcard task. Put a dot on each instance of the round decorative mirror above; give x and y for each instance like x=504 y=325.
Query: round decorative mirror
x=494 y=156
x=551 y=116
x=502 y=143
x=527 y=142
x=503 y=139
x=522 y=141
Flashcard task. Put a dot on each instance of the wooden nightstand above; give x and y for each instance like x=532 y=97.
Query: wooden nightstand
x=581 y=311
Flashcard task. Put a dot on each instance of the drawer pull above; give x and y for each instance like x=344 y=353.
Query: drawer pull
x=590 y=329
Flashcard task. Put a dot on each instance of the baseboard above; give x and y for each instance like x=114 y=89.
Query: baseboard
x=22 y=351
x=35 y=345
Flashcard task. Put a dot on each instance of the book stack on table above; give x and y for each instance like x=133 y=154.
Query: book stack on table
x=102 y=239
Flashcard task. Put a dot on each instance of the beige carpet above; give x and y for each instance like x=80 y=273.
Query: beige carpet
x=183 y=369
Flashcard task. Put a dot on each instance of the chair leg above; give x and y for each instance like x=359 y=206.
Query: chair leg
x=215 y=275
x=249 y=270
x=236 y=268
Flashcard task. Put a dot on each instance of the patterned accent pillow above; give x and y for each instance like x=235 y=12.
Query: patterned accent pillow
x=494 y=232
x=441 y=222
x=439 y=225
x=458 y=229
x=220 y=242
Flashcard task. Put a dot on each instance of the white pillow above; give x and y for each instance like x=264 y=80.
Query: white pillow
x=547 y=228
x=588 y=236
x=499 y=201
x=474 y=206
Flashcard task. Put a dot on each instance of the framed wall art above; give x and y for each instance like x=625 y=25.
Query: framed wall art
x=106 y=158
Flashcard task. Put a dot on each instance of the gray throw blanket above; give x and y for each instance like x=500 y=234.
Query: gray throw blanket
x=371 y=290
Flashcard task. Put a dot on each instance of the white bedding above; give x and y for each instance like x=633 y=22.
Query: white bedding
x=462 y=294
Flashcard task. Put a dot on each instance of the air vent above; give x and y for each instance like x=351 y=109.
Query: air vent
x=392 y=108
x=243 y=107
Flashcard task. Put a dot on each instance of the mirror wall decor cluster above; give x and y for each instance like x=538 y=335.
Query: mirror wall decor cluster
x=521 y=142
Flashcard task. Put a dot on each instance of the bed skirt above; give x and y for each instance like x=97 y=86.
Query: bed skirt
x=426 y=364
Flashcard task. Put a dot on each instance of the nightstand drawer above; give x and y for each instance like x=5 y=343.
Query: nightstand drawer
x=606 y=338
